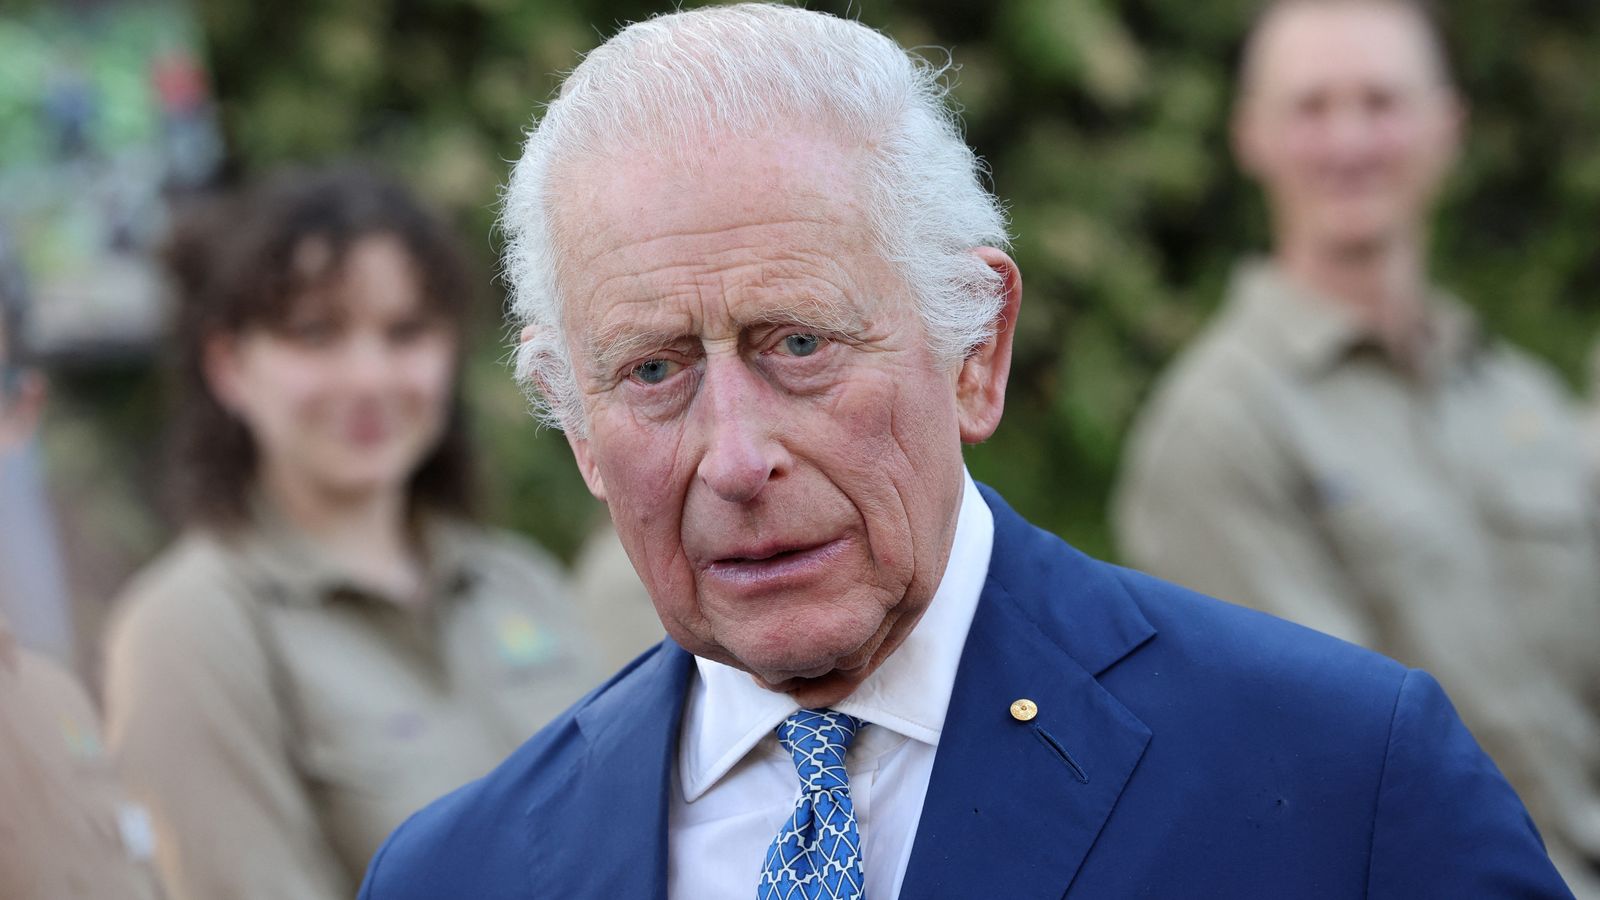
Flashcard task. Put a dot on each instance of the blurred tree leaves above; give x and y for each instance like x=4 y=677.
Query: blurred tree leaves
x=1104 y=123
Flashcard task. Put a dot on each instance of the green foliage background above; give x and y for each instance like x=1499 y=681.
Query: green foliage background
x=1105 y=127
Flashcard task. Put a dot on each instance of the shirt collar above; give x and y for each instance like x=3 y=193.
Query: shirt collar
x=1317 y=333
x=294 y=569
x=727 y=713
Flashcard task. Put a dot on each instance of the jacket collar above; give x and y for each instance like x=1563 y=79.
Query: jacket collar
x=614 y=803
x=1012 y=806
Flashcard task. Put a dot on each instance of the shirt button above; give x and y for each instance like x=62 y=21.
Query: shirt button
x=1024 y=710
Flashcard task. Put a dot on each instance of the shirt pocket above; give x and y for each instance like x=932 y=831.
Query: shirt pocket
x=1537 y=506
x=1411 y=554
x=1548 y=558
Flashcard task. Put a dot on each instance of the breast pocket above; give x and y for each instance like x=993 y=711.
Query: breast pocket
x=1538 y=506
x=1390 y=537
x=1549 y=565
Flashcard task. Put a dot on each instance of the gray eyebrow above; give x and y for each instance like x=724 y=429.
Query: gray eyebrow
x=610 y=345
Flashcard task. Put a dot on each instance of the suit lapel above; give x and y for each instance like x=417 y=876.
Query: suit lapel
x=615 y=801
x=1014 y=806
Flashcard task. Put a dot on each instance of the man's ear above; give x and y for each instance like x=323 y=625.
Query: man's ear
x=586 y=465
x=981 y=382
x=580 y=446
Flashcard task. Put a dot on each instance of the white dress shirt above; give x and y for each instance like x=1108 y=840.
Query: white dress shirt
x=735 y=786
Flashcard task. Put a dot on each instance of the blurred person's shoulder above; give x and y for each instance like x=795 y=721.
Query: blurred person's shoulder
x=34 y=677
x=1527 y=377
x=189 y=595
x=1238 y=368
x=507 y=570
x=475 y=841
x=198 y=561
x=501 y=553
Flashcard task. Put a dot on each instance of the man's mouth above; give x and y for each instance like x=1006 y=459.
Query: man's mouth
x=774 y=564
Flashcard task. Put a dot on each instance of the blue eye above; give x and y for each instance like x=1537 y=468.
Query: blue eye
x=652 y=371
x=802 y=344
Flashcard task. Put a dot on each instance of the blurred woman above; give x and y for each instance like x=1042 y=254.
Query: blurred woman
x=331 y=643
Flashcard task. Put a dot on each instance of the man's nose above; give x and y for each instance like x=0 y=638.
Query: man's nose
x=1350 y=132
x=739 y=414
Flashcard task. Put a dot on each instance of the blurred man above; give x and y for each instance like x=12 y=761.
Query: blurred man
x=66 y=830
x=1347 y=449
x=764 y=296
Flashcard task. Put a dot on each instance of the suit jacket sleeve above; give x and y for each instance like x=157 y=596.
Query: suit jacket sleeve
x=1447 y=824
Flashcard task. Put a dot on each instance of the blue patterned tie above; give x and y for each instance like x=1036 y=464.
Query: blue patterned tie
x=817 y=853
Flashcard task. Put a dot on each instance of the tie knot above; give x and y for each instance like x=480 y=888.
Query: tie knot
x=818 y=739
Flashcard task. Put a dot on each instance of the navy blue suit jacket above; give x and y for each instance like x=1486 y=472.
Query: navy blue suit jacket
x=1183 y=747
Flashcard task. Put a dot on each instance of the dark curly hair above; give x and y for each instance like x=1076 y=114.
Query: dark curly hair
x=232 y=259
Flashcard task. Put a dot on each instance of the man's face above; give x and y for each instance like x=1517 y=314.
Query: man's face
x=1348 y=122
x=779 y=450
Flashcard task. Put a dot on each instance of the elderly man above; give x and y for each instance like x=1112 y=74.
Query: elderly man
x=1344 y=448
x=765 y=300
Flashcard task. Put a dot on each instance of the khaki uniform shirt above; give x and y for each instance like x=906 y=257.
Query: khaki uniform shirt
x=1440 y=512
x=280 y=718
x=67 y=832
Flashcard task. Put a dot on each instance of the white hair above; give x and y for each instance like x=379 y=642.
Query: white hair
x=663 y=84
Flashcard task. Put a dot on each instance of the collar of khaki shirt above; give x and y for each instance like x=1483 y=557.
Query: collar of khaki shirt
x=1317 y=332
x=728 y=715
x=295 y=570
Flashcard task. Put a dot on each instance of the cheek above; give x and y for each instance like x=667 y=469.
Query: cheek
x=280 y=394
x=428 y=372
x=897 y=450
x=646 y=477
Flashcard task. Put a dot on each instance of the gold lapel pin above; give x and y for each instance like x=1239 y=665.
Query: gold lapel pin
x=1024 y=710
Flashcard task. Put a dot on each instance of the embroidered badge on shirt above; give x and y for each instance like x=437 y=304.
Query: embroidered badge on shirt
x=521 y=642
x=81 y=741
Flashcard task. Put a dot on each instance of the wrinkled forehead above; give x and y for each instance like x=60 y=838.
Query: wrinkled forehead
x=719 y=177
x=635 y=224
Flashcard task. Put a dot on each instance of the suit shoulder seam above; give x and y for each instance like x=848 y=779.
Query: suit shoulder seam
x=1383 y=774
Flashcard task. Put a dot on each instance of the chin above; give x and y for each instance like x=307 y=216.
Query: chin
x=363 y=481
x=1356 y=226
x=816 y=668
x=801 y=663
